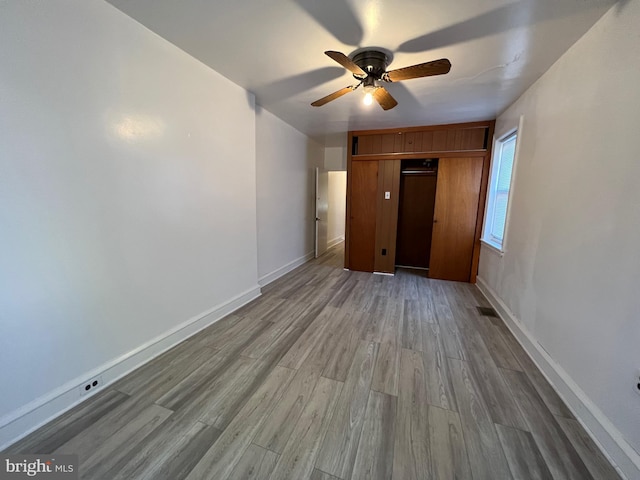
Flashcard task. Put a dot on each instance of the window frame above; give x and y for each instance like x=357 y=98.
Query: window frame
x=489 y=216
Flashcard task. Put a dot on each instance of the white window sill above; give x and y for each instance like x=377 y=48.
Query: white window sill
x=492 y=248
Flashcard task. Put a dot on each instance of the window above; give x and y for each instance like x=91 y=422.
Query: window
x=496 y=216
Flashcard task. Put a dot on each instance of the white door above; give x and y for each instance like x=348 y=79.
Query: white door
x=322 y=210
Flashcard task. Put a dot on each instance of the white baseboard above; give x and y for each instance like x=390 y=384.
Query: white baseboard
x=335 y=241
x=604 y=433
x=42 y=410
x=279 y=272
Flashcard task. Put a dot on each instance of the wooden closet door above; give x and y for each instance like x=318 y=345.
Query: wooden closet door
x=362 y=230
x=454 y=223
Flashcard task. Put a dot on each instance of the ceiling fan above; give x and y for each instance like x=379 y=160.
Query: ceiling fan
x=369 y=67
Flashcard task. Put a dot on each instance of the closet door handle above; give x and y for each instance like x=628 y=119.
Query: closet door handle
x=435 y=221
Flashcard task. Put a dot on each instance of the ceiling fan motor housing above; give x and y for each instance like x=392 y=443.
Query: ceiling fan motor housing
x=374 y=62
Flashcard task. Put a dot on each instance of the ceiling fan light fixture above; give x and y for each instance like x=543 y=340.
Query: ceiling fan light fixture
x=369 y=88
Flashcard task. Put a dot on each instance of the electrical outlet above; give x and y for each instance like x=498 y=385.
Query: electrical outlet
x=91 y=385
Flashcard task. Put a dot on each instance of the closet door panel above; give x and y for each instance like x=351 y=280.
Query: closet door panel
x=362 y=232
x=387 y=215
x=456 y=210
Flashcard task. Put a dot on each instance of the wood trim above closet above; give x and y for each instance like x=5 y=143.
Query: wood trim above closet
x=446 y=126
x=437 y=138
x=409 y=156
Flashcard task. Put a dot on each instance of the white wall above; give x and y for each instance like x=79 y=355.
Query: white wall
x=571 y=271
x=335 y=152
x=335 y=158
x=285 y=163
x=127 y=198
x=337 y=206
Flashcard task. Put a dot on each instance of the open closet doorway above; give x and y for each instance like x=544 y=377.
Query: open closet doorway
x=331 y=207
x=416 y=212
x=322 y=210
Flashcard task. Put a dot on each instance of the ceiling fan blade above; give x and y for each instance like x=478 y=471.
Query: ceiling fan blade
x=333 y=96
x=346 y=62
x=384 y=98
x=428 y=69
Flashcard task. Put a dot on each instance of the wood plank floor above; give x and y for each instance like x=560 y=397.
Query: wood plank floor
x=334 y=375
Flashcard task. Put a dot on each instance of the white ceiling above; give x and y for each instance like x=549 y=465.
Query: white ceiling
x=274 y=49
